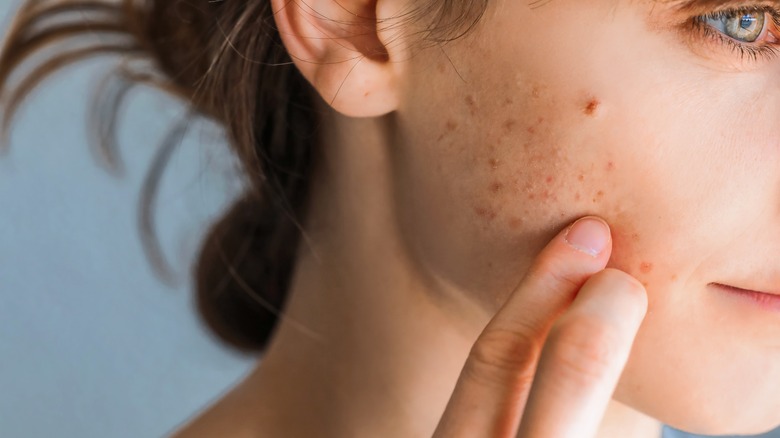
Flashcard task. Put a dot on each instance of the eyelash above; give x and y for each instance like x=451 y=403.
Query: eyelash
x=752 y=51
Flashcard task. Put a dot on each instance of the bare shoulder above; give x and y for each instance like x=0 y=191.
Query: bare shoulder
x=233 y=415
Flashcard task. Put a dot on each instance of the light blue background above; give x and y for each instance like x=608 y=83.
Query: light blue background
x=91 y=344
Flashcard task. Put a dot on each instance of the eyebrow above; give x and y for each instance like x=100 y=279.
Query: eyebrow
x=703 y=5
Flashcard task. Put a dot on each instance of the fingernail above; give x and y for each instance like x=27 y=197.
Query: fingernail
x=589 y=235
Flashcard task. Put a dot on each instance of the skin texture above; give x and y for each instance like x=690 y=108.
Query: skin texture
x=429 y=208
x=584 y=110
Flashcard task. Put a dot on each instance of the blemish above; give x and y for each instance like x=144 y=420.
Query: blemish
x=441 y=67
x=472 y=104
x=536 y=91
x=509 y=124
x=645 y=267
x=515 y=223
x=591 y=107
x=674 y=277
x=508 y=101
x=549 y=179
x=451 y=125
x=577 y=197
x=493 y=163
x=485 y=212
x=635 y=237
x=610 y=165
x=581 y=177
x=600 y=193
x=531 y=130
x=539 y=119
x=496 y=187
x=531 y=196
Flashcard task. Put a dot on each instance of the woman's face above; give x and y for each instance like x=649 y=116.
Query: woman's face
x=638 y=113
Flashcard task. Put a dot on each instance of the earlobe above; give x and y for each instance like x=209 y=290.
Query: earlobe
x=341 y=50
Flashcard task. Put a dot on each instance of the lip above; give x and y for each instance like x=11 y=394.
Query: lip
x=765 y=300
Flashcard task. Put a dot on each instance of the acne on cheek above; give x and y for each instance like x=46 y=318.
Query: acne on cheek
x=543 y=178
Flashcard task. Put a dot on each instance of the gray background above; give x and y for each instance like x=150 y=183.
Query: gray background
x=91 y=343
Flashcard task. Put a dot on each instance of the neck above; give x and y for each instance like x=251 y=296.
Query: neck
x=364 y=348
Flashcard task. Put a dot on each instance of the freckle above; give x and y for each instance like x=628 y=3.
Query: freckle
x=610 y=165
x=599 y=194
x=496 y=187
x=451 y=125
x=366 y=93
x=515 y=223
x=487 y=213
x=508 y=101
x=591 y=106
x=493 y=163
x=472 y=104
x=549 y=179
x=509 y=124
x=646 y=267
x=581 y=177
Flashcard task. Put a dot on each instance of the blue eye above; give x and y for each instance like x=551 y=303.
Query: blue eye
x=741 y=26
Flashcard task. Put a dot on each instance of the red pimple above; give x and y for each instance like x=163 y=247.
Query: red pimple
x=515 y=223
x=645 y=267
x=549 y=179
x=610 y=165
x=531 y=130
x=591 y=106
x=581 y=177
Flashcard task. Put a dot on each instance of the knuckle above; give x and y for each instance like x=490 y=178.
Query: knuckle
x=503 y=356
x=584 y=348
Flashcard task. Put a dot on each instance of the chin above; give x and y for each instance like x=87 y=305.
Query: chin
x=715 y=409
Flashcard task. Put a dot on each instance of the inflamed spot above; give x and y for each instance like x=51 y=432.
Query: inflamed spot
x=591 y=107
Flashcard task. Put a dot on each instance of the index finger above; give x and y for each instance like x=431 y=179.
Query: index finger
x=491 y=391
x=583 y=358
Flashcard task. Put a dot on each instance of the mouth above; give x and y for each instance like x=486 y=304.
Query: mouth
x=765 y=300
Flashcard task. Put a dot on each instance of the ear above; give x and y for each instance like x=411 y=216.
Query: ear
x=342 y=48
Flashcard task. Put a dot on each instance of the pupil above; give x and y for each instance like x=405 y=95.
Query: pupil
x=746 y=22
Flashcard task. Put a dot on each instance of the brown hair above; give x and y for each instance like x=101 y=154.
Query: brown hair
x=225 y=60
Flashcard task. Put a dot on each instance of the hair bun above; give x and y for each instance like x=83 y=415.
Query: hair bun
x=243 y=272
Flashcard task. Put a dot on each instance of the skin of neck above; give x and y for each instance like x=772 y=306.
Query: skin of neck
x=363 y=348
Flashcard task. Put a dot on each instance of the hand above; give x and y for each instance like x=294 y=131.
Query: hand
x=548 y=362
